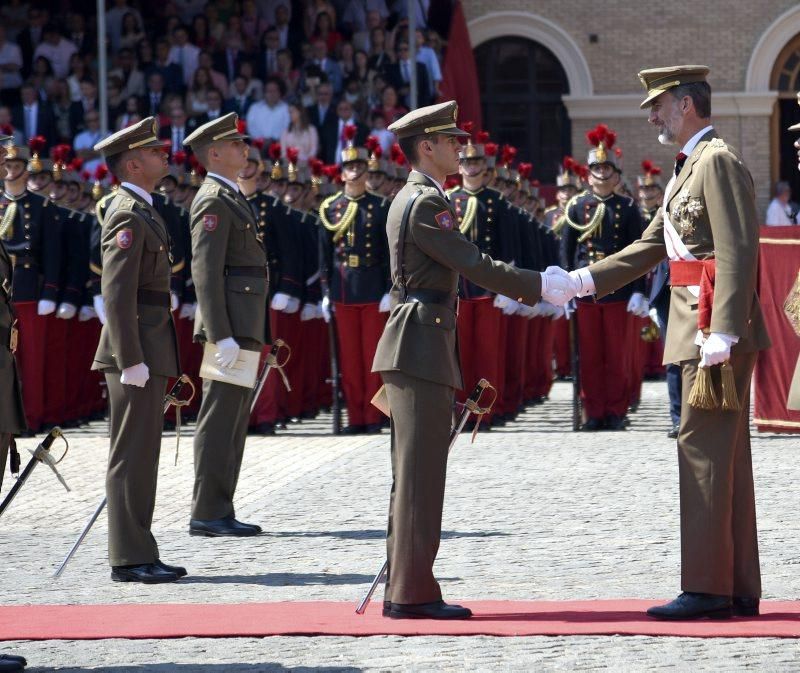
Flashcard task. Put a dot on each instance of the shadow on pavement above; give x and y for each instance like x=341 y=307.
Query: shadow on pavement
x=377 y=534
x=199 y=668
x=281 y=579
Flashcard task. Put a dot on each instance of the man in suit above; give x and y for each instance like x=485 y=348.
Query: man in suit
x=228 y=59
x=79 y=108
x=138 y=349
x=31 y=37
x=322 y=115
x=322 y=64
x=177 y=130
x=34 y=117
x=399 y=75
x=154 y=96
x=229 y=269
x=347 y=117
x=417 y=355
x=708 y=214
x=240 y=102
x=171 y=72
x=214 y=111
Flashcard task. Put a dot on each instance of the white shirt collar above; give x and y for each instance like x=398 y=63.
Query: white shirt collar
x=692 y=143
x=234 y=186
x=138 y=191
x=435 y=182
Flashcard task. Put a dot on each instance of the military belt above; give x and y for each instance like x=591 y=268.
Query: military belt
x=426 y=296
x=153 y=298
x=257 y=271
x=5 y=337
x=356 y=261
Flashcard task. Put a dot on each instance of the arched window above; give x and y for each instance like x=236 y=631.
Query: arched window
x=786 y=81
x=521 y=85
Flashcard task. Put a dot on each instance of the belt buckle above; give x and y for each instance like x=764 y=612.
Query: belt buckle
x=352 y=261
x=14 y=340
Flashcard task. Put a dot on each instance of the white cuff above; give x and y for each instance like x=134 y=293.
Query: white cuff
x=587 y=282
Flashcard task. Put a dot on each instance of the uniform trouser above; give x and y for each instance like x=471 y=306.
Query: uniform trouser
x=673 y=370
x=5 y=442
x=635 y=366
x=719 y=545
x=478 y=335
x=516 y=349
x=55 y=370
x=421 y=414
x=31 y=360
x=219 y=448
x=137 y=418
x=540 y=357
x=561 y=348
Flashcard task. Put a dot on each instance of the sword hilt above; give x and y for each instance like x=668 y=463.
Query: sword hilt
x=474 y=405
x=278 y=361
x=43 y=455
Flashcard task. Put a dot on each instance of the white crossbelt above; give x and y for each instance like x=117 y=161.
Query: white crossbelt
x=676 y=248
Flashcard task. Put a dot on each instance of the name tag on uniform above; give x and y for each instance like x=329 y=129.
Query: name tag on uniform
x=243 y=373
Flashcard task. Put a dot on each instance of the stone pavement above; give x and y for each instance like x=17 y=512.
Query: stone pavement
x=533 y=511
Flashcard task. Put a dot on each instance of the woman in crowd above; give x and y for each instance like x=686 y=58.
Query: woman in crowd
x=325 y=30
x=390 y=109
x=196 y=98
x=77 y=71
x=132 y=32
x=379 y=56
x=288 y=73
x=201 y=33
x=300 y=134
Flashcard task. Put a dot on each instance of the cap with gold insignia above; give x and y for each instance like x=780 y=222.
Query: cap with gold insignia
x=17 y=153
x=440 y=118
x=795 y=127
x=651 y=175
x=222 y=128
x=137 y=136
x=658 y=80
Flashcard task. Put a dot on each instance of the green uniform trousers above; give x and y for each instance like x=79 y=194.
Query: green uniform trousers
x=5 y=443
x=137 y=420
x=719 y=542
x=421 y=414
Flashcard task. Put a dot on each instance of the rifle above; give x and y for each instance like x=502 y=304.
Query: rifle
x=574 y=353
x=333 y=340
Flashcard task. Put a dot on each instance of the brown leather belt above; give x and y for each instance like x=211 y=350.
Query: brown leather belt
x=153 y=298
x=257 y=271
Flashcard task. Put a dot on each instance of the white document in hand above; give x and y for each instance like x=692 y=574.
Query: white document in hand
x=243 y=373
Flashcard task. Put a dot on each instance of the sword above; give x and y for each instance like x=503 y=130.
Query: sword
x=171 y=398
x=471 y=406
x=40 y=455
x=575 y=366
x=271 y=362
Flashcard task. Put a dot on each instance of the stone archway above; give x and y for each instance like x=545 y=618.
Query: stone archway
x=768 y=48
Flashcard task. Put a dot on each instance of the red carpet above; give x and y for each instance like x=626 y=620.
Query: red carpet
x=493 y=618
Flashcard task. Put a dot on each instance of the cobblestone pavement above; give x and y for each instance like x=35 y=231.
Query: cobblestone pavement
x=533 y=511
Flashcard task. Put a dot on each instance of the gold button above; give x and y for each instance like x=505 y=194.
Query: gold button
x=247 y=288
x=160 y=247
x=438 y=320
x=27 y=216
x=247 y=226
x=519 y=299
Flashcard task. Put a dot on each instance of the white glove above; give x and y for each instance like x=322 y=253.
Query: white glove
x=99 y=308
x=525 y=311
x=635 y=303
x=644 y=308
x=227 y=352
x=325 y=309
x=500 y=301
x=309 y=312
x=511 y=307
x=136 y=375
x=716 y=349
x=174 y=301
x=653 y=313
x=280 y=301
x=293 y=306
x=188 y=311
x=386 y=304
x=558 y=312
x=558 y=287
x=548 y=310
x=86 y=313
x=45 y=307
x=66 y=311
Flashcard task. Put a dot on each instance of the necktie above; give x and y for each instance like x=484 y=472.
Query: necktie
x=680 y=159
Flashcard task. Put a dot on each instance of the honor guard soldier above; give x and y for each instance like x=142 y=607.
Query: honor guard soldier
x=229 y=269
x=138 y=349
x=599 y=223
x=417 y=355
x=355 y=261
x=793 y=401
x=30 y=228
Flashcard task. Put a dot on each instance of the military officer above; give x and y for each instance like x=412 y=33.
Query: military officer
x=599 y=223
x=708 y=213
x=417 y=356
x=355 y=261
x=793 y=401
x=137 y=351
x=229 y=269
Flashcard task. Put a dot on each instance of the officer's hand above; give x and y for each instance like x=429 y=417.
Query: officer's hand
x=500 y=301
x=526 y=311
x=227 y=352
x=66 y=311
x=293 y=306
x=558 y=287
x=174 y=301
x=644 y=308
x=716 y=349
x=386 y=304
x=187 y=311
x=280 y=301
x=325 y=309
x=511 y=307
x=136 y=375
x=99 y=308
x=583 y=282
x=45 y=307
x=558 y=312
x=635 y=303
x=86 y=313
x=309 y=312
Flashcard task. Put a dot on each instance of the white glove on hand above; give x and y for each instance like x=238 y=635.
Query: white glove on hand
x=45 y=307
x=66 y=311
x=293 y=306
x=99 y=308
x=500 y=301
x=227 y=352
x=174 y=301
x=309 y=312
x=280 y=301
x=188 y=311
x=136 y=375
x=86 y=313
x=558 y=287
x=386 y=304
x=547 y=309
x=511 y=307
x=525 y=311
x=558 y=312
x=644 y=311
x=635 y=303
x=325 y=309
x=716 y=349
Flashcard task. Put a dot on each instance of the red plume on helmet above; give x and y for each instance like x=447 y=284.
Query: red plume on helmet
x=292 y=154
x=179 y=158
x=241 y=126
x=258 y=143
x=649 y=168
x=525 y=170
x=7 y=130
x=101 y=172
x=85 y=175
x=569 y=164
x=490 y=149
x=395 y=152
x=468 y=126
x=371 y=144
x=37 y=144
x=76 y=164
x=482 y=137
x=61 y=154
x=330 y=171
x=509 y=154
x=317 y=167
x=275 y=151
x=349 y=132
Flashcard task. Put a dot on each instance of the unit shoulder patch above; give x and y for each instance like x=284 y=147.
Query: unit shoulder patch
x=124 y=238
x=210 y=222
x=444 y=220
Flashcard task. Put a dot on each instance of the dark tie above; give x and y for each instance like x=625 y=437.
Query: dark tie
x=680 y=159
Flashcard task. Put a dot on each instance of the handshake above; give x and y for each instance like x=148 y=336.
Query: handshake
x=560 y=287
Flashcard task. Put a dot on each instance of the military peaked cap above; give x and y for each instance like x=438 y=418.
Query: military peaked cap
x=140 y=135
x=440 y=118
x=221 y=128
x=658 y=80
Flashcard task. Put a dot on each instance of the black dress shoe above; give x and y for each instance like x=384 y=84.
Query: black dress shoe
x=353 y=430
x=615 y=423
x=435 y=610
x=744 y=606
x=373 y=428
x=10 y=663
x=593 y=424
x=147 y=573
x=229 y=527
x=241 y=524
x=263 y=429
x=674 y=430
x=180 y=571
x=694 y=606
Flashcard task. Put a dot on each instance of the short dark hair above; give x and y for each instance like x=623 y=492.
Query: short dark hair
x=279 y=82
x=699 y=92
x=116 y=163
x=410 y=144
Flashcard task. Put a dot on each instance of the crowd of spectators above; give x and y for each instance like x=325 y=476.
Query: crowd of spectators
x=297 y=71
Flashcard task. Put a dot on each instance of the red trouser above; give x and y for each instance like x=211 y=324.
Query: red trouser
x=561 y=348
x=312 y=372
x=324 y=388
x=541 y=369
x=500 y=355
x=359 y=327
x=531 y=355
x=478 y=343
x=31 y=360
x=55 y=371
x=638 y=355
x=516 y=341
x=603 y=337
x=80 y=354
x=654 y=355
x=91 y=395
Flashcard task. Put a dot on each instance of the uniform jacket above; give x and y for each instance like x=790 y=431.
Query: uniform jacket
x=135 y=256
x=76 y=242
x=12 y=414
x=224 y=236
x=420 y=339
x=712 y=205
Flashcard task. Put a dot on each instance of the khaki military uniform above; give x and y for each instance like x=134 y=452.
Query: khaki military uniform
x=417 y=358
x=229 y=268
x=139 y=328
x=712 y=206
